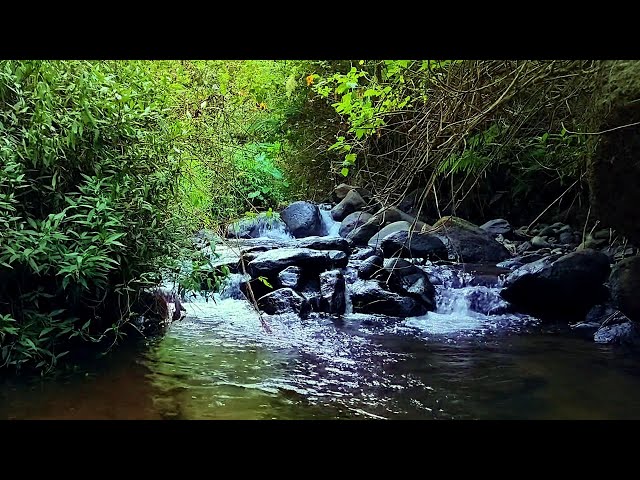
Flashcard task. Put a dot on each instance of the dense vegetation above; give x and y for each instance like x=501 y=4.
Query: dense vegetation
x=109 y=167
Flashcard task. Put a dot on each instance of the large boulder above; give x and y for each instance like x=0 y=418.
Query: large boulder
x=352 y=221
x=302 y=219
x=370 y=266
x=370 y=296
x=414 y=245
x=565 y=288
x=325 y=243
x=406 y=279
x=353 y=202
x=467 y=242
x=332 y=291
x=618 y=330
x=284 y=300
x=625 y=287
x=270 y=263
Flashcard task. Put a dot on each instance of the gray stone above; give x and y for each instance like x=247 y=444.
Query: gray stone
x=290 y=277
x=539 y=242
x=414 y=245
x=284 y=300
x=325 y=243
x=272 y=262
x=498 y=226
x=353 y=221
x=302 y=219
x=399 y=226
x=332 y=292
x=352 y=202
x=468 y=242
x=370 y=296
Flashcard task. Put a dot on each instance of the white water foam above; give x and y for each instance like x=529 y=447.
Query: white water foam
x=330 y=228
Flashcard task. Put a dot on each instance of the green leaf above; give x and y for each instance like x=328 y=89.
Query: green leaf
x=344 y=171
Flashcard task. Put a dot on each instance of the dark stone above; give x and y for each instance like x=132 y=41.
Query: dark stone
x=370 y=267
x=406 y=279
x=284 y=300
x=497 y=226
x=523 y=247
x=547 y=231
x=290 y=277
x=362 y=234
x=352 y=221
x=566 y=237
x=618 y=330
x=341 y=191
x=324 y=243
x=625 y=287
x=353 y=202
x=539 y=242
x=364 y=253
x=565 y=288
x=467 y=242
x=332 y=291
x=415 y=245
x=517 y=262
x=370 y=296
x=302 y=219
x=272 y=262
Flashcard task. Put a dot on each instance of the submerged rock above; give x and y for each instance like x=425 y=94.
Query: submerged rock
x=302 y=219
x=566 y=287
x=284 y=300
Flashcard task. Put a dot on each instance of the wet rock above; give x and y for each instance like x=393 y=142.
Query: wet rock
x=468 y=242
x=523 y=247
x=566 y=237
x=254 y=227
x=332 y=291
x=593 y=243
x=364 y=253
x=624 y=283
x=370 y=296
x=566 y=287
x=539 y=242
x=324 y=243
x=498 y=226
x=290 y=277
x=302 y=219
x=517 y=262
x=406 y=279
x=547 y=231
x=284 y=300
x=353 y=221
x=618 y=330
x=415 y=245
x=352 y=202
x=370 y=267
x=394 y=227
x=362 y=234
x=272 y=262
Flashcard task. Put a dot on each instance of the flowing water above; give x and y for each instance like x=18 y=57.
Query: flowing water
x=468 y=360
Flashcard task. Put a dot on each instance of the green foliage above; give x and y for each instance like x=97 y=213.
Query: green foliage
x=89 y=169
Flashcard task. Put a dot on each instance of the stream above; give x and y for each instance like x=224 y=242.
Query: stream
x=467 y=360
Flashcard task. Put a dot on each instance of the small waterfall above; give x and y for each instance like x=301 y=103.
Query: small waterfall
x=461 y=305
x=330 y=228
x=272 y=228
x=231 y=287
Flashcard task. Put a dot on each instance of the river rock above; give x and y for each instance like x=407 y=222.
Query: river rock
x=325 y=243
x=468 y=242
x=539 y=242
x=370 y=267
x=624 y=283
x=255 y=227
x=363 y=253
x=302 y=219
x=362 y=234
x=272 y=262
x=406 y=279
x=353 y=202
x=332 y=291
x=394 y=227
x=566 y=287
x=618 y=329
x=414 y=245
x=498 y=226
x=370 y=296
x=566 y=237
x=342 y=190
x=290 y=277
x=284 y=300
x=352 y=221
